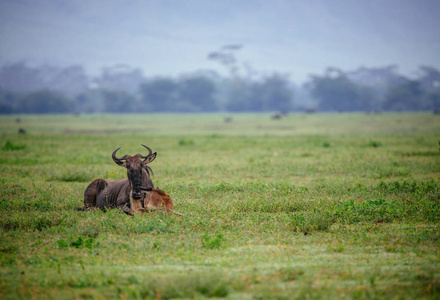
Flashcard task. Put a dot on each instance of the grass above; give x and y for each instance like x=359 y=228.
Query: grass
x=318 y=206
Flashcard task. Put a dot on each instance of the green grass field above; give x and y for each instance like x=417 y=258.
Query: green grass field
x=322 y=206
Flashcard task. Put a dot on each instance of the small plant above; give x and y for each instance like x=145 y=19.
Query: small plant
x=309 y=221
x=183 y=142
x=374 y=144
x=374 y=202
x=391 y=248
x=75 y=177
x=337 y=249
x=62 y=244
x=10 y=146
x=212 y=242
x=72 y=176
x=90 y=231
x=326 y=145
x=290 y=274
x=79 y=242
x=156 y=245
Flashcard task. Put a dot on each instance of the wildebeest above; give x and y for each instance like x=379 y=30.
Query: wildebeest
x=125 y=194
x=275 y=116
x=157 y=199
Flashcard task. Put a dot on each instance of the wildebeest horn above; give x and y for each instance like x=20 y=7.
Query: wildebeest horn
x=148 y=158
x=149 y=149
x=117 y=160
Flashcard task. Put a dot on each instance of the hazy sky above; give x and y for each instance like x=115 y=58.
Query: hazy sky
x=165 y=37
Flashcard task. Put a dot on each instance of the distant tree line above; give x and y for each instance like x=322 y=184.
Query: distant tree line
x=46 y=89
x=376 y=89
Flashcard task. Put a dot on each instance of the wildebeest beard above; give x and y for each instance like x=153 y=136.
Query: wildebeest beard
x=135 y=178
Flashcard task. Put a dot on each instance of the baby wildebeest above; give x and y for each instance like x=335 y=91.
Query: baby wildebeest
x=157 y=199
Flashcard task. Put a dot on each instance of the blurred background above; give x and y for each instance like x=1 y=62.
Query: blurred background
x=219 y=56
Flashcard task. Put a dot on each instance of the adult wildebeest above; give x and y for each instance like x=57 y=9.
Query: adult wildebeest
x=125 y=194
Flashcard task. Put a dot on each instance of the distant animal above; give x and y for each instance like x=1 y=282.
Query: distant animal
x=275 y=116
x=126 y=194
x=21 y=131
x=228 y=119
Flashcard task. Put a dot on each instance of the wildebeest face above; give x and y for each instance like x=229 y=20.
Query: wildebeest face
x=135 y=170
x=134 y=174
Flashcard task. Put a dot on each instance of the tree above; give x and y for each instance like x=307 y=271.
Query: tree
x=429 y=78
x=237 y=95
x=433 y=98
x=406 y=96
x=118 y=101
x=226 y=57
x=237 y=86
x=159 y=95
x=8 y=101
x=44 y=102
x=272 y=93
x=70 y=80
x=19 y=77
x=334 y=91
x=276 y=94
x=121 y=78
x=197 y=94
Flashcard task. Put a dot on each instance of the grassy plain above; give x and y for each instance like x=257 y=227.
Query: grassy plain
x=342 y=206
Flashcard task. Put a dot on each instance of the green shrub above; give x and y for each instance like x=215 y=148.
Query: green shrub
x=10 y=146
x=311 y=221
x=72 y=176
x=374 y=144
x=183 y=142
x=212 y=242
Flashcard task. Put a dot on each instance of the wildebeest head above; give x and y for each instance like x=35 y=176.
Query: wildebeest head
x=136 y=173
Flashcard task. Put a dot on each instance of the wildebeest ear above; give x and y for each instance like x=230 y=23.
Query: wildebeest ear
x=150 y=158
x=121 y=163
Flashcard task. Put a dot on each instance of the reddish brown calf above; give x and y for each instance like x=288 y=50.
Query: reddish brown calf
x=157 y=200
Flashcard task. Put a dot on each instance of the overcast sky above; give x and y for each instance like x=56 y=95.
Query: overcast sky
x=165 y=37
